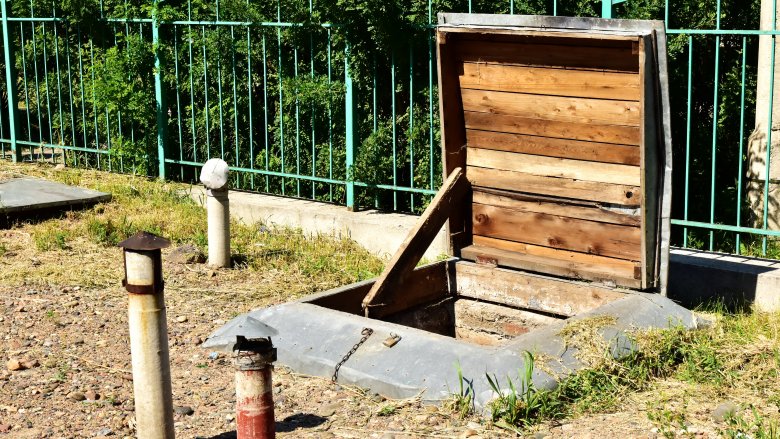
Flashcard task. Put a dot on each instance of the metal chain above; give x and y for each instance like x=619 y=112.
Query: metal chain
x=366 y=332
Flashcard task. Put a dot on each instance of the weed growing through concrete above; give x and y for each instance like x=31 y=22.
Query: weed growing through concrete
x=461 y=403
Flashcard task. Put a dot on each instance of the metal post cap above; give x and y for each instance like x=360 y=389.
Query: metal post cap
x=214 y=174
x=144 y=241
x=225 y=338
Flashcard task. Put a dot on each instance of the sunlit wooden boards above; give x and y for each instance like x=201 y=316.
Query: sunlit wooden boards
x=556 y=129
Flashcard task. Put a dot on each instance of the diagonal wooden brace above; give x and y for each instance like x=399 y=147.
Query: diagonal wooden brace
x=389 y=287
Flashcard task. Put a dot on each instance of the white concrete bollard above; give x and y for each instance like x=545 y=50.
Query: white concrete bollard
x=148 y=336
x=214 y=175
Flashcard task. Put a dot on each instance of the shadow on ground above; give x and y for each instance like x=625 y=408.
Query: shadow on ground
x=287 y=425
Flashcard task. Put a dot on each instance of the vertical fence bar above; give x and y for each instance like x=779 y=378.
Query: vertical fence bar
x=297 y=126
x=606 y=8
x=411 y=126
x=158 y=91
x=769 y=126
x=716 y=84
x=395 y=135
x=281 y=91
x=265 y=111
x=349 y=119
x=688 y=139
x=741 y=142
x=714 y=137
x=10 y=83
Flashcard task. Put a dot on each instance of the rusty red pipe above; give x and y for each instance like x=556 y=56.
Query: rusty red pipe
x=254 y=389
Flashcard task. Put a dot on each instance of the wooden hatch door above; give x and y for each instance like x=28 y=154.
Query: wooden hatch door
x=558 y=128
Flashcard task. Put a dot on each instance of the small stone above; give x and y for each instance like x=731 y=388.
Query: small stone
x=186 y=254
x=29 y=364
x=431 y=409
x=328 y=410
x=195 y=341
x=387 y=436
x=76 y=396
x=181 y=319
x=5 y=428
x=14 y=364
x=72 y=303
x=91 y=395
x=724 y=411
x=469 y=432
x=59 y=167
x=104 y=432
x=213 y=355
x=540 y=435
x=229 y=417
x=183 y=410
x=473 y=425
x=421 y=418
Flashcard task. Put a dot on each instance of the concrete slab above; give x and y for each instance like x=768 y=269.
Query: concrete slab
x=696 y=276
x=313 y=339
x=25 y=196
x=380 y=233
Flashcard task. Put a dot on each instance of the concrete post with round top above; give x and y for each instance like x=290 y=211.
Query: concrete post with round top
x=214 y=176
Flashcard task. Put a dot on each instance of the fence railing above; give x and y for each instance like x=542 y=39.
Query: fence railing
x=302 y=107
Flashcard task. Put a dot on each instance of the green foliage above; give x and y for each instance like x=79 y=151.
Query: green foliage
x=521 y=406
x=387 y=410
x=461 y=403
x=273 y=98
x=50 y=238
x=759 y=427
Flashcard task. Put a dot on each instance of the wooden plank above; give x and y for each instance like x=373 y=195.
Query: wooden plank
x=608 y=267
x=560 y=108
x=425 y=284
x=554 y=231
x=529 y=203
x=531 y=53
x=554 y=166
x=593 y=132
x=392 y=285
x=453 y=134
x=526 y=290
x=556 y=187
x=570 y=37
x=547 y=265
x=550 y=81
x=653 y=158
x=552 y=147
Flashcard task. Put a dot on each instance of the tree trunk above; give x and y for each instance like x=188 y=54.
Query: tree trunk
x=757 y=144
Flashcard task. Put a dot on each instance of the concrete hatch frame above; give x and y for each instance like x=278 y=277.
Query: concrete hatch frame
x=548 y=226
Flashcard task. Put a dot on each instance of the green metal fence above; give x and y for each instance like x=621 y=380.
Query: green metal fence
x=300 y=106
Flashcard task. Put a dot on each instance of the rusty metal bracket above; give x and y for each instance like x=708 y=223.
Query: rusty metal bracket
x=143 y=289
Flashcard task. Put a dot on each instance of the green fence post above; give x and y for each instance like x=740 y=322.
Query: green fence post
x=158 y=91
x=10 y=80
x=606 y=8
x=351 y=109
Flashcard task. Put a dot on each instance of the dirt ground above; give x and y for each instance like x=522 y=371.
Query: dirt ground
x=65 y=360
x=79 y=384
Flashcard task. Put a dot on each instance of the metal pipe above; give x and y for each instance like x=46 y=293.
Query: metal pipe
x=254 y=392
x=214 y=175
x=148 y=336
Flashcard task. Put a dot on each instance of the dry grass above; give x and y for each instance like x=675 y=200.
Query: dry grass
x=583 y=335
x=79 y=248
